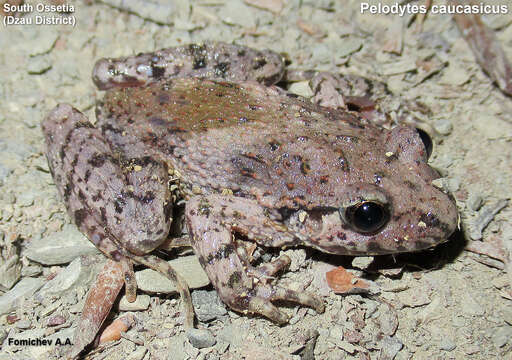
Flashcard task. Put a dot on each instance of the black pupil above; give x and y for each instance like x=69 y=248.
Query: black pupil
x=368 y=216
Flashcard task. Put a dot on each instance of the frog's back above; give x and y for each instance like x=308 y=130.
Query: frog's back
x=247 y=138
x=260 y=142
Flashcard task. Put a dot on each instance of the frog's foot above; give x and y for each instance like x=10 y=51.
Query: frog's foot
x=212 y=221
x=370 y=98
x=349 y=92
x=258 y=300
x=212 y=60
x=165 y=269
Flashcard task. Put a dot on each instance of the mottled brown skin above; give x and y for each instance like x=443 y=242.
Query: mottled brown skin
x=249 y=160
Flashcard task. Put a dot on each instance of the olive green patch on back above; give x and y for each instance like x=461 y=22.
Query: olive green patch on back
x=190 y=104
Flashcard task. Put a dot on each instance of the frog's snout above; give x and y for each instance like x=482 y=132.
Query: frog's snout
x=102 y=73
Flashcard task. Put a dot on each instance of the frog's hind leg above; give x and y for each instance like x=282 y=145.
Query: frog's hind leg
x=212 y=221
x=370 y=98
x=165 y=269
x=211 y=60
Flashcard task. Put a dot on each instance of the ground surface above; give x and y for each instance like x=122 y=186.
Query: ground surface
x=447 y=304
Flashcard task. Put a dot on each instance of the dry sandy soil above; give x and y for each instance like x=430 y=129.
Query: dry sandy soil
x=447 y=303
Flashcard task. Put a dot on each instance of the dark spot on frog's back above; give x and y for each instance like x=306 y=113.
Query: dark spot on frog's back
x=163 y=98
x=274 y=145
x=305 y=168
x=410 y=185
x=433 y=221
x=158 y=121
x=118 y=205
x=103 y=213
x=67 y=192
x=247 y=172
x=430 y=220
x=97 y=160
x=259 y=63
x=148 y=197
x=80 y=216
x=109 y=127
x=234 y=279
x=199 y=63
x=157 y=71
x=221 y=68
x=224 y=252
x=116 y=255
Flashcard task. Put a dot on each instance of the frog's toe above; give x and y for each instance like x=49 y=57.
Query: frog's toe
x=302 y=298
x=268 y=270
x=262 y=306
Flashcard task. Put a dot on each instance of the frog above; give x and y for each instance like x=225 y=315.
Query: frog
x=207 y=126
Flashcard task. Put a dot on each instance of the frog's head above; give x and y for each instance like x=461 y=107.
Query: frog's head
x=394 y=208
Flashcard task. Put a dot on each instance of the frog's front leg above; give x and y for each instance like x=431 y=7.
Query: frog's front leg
x=212 y=221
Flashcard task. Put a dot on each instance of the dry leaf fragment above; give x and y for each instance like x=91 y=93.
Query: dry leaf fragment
x=310 y=29
x=274 y=6
x=114 y=330
x=342 y=282
x=486 y=48
x=97 y=305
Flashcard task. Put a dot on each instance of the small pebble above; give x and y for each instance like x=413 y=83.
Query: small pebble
x=451 y=184
x=138 y=354
x=207 y=305
x=141 y=303
x=188 y=267
x=60 y=247
x=301 y=88
x=443 y=126
x=362 y=262
x=336 y=333
x=390 y=347
x=23 y=324
x=39 y=65
x=201 y=338
x=56 y=320
x=475 y=202
x=447 y=344
x=502 y=336
x=23 y=289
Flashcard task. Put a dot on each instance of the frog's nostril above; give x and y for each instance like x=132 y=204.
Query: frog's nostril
x=427 y=141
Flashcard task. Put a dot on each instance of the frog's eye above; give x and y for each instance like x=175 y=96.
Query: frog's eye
x=426 y=140
x=366 y=217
